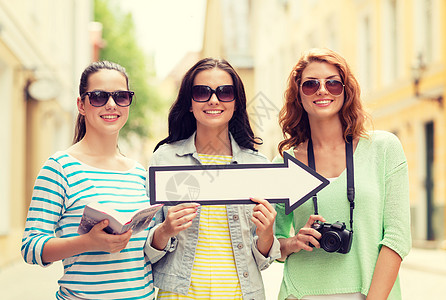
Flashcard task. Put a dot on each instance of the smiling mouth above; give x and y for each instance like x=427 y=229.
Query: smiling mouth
x=323 y=101
x=110 y=117
x=213 y=112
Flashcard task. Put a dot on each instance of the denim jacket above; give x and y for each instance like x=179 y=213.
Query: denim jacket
x=172 y=267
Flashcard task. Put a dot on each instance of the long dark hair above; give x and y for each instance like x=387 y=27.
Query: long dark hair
x=294 y=119
x=182 y=123
x=79 y=130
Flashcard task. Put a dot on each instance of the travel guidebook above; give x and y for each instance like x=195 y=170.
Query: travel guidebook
x=119 y=222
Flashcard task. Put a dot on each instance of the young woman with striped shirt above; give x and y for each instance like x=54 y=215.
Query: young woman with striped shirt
x=97 y=265
x=211 y=252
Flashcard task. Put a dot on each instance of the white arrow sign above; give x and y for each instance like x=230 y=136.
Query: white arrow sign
x=291 y=182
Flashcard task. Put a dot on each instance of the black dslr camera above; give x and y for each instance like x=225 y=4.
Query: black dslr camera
x=334 y=237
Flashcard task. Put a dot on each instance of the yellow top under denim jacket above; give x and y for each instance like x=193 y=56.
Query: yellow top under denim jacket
x=172 y=266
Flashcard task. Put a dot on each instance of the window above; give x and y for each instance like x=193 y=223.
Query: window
x=424 y=20
x=332 y=33
x=365 y=52
x=390 y=42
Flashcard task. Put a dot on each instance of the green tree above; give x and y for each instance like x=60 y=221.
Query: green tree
x=121 y=47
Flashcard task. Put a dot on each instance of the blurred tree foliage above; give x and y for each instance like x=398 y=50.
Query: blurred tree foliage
x=121 y=47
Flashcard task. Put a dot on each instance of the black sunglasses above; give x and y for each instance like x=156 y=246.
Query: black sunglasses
x=333 y=86
x=100 y=98
x=203 y=93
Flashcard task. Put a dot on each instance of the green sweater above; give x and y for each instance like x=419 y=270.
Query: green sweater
x=381 y=217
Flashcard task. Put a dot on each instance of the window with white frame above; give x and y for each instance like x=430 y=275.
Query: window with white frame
x=332 y=42
x=389 y=50
x=365 y=52
x=426 y=26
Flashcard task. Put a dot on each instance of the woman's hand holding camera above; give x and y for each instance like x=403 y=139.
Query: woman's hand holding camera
x=302 y=239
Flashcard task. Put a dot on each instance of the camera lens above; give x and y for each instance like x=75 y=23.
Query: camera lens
x=330 y=241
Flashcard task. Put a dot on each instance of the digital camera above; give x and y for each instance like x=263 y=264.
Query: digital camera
x=335 y=237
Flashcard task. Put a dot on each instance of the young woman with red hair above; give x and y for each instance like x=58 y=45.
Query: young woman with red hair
x=323 y=123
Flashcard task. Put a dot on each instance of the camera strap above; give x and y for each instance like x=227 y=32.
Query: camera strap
x=350 y=175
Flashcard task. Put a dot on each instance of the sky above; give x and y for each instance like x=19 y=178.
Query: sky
x=168 y=29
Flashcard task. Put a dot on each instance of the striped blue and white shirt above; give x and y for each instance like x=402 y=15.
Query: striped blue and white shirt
x=62 y=189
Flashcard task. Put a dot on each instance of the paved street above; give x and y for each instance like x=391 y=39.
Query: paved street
x=423 y=276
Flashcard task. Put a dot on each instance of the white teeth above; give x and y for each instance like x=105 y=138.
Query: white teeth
x=109 y=117
x=213 y=112
x=323 y=102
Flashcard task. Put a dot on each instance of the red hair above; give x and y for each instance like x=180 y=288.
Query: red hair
x=293 y=119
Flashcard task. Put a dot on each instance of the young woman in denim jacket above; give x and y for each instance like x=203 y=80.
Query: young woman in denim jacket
x=213 y=252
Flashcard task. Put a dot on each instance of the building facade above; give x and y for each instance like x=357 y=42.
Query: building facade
x=44 y=46
x=397 y=50
x=230 y=33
